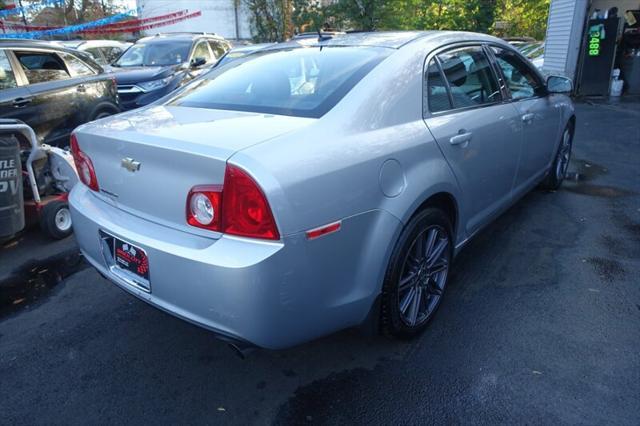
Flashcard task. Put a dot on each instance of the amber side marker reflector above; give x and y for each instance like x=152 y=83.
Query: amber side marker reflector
x=324 y=230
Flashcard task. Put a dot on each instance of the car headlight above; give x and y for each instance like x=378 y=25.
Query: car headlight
x=149 y=86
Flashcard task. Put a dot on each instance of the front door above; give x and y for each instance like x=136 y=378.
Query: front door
x=478 y=134
x=538 y=118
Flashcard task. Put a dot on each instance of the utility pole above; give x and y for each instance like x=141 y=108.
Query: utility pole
x=236 y=5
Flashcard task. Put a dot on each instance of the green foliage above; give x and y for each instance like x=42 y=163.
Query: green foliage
x=523 y=17
x=270 y=19
x=514 y=17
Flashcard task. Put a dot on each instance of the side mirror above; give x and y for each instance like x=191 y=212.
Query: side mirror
x=197 y=62
x=559 y=84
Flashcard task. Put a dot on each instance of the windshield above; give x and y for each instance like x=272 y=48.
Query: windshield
x=157 y=53
x=303 y=82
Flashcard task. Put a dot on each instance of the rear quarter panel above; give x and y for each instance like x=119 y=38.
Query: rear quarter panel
x=331 y=169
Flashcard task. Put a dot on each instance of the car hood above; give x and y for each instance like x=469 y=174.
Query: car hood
x=132 y=75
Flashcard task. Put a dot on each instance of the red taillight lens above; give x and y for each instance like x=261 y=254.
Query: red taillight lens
x=203 y=207
x=245 y=210
x=238 y=208
x=84 y=166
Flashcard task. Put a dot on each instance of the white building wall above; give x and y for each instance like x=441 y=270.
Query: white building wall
x=564 y=36
x=217 y=16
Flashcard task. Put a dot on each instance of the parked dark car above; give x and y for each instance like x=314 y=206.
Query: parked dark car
x=155 y=66
x=53 y=89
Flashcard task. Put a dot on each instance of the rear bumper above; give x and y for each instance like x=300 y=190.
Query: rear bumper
x=268 y=294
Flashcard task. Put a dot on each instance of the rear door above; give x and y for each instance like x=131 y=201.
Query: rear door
x=538 y=117
x=14 y=97
x=89 y=88
x=478 y=133
x=54 y=106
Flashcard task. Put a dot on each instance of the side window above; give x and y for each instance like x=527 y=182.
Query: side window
x=202 y=51
x=217 y=48
x=470 y=77
x=40 y=67
x=521 y=80
x=111 y=53
x=94 y=52
x=7 y=79
x=76 y=66
x=436 y=92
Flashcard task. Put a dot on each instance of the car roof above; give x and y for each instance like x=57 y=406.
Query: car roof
x=48 y=45
x=36 y=44
x=88 y=43
x=252 y=47
x=385 y=39
x=179 y=36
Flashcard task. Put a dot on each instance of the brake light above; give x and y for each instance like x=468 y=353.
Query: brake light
x=84 y=166
x=245 y=209
x=238 y=208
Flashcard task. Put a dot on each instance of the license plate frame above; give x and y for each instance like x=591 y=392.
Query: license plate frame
x=128 y=261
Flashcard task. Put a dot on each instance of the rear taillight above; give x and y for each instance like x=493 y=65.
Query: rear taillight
x=245 y=210
x=203 y=207
x=238 y=208
x=84 y=166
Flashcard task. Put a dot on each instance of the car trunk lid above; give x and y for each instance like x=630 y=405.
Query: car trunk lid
x=147 y=161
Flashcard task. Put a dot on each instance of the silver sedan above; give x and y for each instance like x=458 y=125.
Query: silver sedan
x=318 y=184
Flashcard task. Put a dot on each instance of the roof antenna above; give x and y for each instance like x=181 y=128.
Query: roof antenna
x=322 y=37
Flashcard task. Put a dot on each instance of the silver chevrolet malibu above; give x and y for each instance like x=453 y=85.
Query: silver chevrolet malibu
x=319 y=184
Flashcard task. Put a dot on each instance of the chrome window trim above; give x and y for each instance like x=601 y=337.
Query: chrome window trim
x=533 y=71
x=434 y=54
x=18 y=72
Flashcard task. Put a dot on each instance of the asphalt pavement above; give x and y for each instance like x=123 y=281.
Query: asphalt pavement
x=540 y=325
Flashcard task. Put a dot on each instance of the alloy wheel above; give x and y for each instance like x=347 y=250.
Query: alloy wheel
x=564 y=155
x=424 y=275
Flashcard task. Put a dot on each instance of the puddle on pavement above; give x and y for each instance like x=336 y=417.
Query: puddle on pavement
x=579 y=181
x=33 y=281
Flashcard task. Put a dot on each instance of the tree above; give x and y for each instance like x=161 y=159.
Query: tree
x=271 y=19
x=519 y=17
x=522 y=18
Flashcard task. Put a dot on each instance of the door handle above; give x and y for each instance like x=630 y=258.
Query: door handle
x=462 y=137
x=528 y=118
x=21 y=102
x=81 y=88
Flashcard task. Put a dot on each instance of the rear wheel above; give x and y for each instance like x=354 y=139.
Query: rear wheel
x=417 y=274
x=55 y=220
x=561 y=163
x=102 y=114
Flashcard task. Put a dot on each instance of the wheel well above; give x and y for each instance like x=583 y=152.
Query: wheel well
x=445 y=202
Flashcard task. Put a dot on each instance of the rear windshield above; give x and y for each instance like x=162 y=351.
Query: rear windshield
x=301 y=82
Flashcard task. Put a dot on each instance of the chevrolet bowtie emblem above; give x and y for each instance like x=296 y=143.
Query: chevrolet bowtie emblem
x=130 y=164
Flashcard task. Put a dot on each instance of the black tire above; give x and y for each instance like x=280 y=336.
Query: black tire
x=101 y=114
x=393 y=320
x=560 y=165
x=55 y=220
